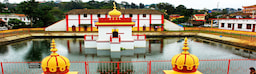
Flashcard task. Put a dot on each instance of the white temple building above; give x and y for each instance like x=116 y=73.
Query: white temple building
x=115 y=35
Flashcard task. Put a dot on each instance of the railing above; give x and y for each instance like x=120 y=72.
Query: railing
x=22 y=31
x=222 y=66
x=139 y=37
x=90 y=37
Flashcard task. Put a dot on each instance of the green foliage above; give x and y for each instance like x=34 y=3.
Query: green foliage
x=16 y=23
x=38 y=13
x=134 y=6
x=170 y=9
x=30 y=9
x=180 y=9
x=72 y=5
x=166 y=6
x=166 y=17
x=180 y=20
x=106 y=7
x=2 y=24
x=224 y=11
x=1 y=7
x=57 y=13
x=45 y=17
x=141 y=6
x=122 y=49
x=3 y=10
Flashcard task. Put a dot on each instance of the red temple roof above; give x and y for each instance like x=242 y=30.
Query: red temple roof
x=115 y=22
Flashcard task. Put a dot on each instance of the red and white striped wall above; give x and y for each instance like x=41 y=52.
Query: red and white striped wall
x=139 y=20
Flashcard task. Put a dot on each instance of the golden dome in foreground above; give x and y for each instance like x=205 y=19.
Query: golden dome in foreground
x=185 y=62
x=55 y=63
x=114 y=12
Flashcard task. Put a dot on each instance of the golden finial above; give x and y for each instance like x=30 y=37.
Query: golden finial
x=53 y=49
x=185 y=48
x=114 y=5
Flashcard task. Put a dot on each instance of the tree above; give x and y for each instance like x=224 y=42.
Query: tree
x=16 y=23
x=38 y=13
x=126 y=4
x=141 y=6
x=153 y=6
x=224 y=11
x=189 y=12
x=57 y=13
x=1 y=7
x=133 y=6
x=2 y=24
x=179 y=20
x=181 y=9
x=166 y=6
x=29 y=8
x=108 y=5
x=45 y=18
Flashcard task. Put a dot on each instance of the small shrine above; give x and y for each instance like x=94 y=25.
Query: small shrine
x=114 y=34
x=55 y=63
x=184 y=63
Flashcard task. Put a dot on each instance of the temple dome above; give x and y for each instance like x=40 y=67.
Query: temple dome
x=185 y=62
x=114 y=12
x=55 y=63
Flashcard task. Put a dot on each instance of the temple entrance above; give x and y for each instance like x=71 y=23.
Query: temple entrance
x=73 y=28
x=144 y=27
x=114 y=34
x=85 y=28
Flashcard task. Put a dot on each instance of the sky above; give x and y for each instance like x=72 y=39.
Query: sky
x=195 y=4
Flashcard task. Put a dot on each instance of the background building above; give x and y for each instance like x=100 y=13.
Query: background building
x=84 y=19
x=250 y=9
x=239 y=24
x=175 y=16
x=7 y=17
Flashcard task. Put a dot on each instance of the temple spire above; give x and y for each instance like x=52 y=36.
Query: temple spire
x=185 y=48
x=114 y=3
x=54 y=49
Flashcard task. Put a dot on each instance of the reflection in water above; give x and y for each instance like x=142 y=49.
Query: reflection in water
x=3 y=49
x=38 y=47
x=246 y=53
x=17 y=46
x=181 y=40
x=157 y=49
